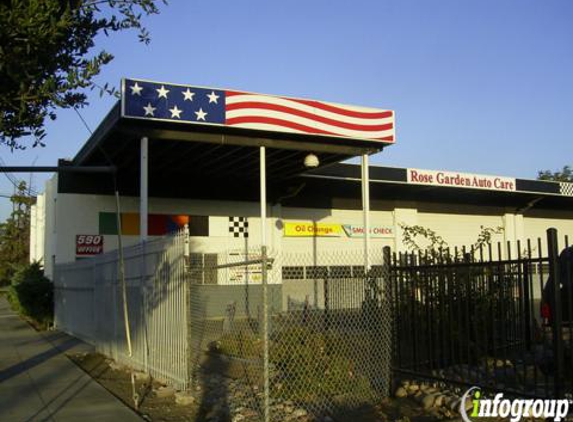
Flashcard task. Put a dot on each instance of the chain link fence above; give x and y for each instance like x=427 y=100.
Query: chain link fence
x=314 y=341
x=328 y=336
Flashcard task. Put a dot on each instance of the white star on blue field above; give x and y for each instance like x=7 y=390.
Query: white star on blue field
x=173 y=102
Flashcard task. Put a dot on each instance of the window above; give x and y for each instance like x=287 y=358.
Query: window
x=341 y=271
x=293 y=273
x=316 y=272
x=358 y=271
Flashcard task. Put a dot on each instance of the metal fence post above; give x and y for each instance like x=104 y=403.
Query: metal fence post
x=95 y=309
x=526 y=304
x=114 y=284
x=554 y=275
x=144 y=308
x=266 y=406
x=188 y=317
x=388 y=322
x=326 y=304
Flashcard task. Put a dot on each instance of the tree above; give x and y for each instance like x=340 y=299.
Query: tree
x=15 y=235
x=565 y=175
x=45 y=61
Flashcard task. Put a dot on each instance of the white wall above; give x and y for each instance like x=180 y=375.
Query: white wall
x=63 y=216
x=79 y=214
x=33 y=232
x=461 y=230
x=67 y=215
x=37 y=229
x=50 y=233
x=536 y=227
x=338 y=244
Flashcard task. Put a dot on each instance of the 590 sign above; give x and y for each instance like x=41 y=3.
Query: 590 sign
x=89 y=244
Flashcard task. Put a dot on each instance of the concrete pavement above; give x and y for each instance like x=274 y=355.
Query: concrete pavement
x=39 y=383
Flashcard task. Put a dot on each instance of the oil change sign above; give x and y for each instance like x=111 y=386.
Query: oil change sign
x=310 y=229
x=89 y=244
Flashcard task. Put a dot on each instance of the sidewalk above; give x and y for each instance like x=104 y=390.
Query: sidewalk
x=39 y=383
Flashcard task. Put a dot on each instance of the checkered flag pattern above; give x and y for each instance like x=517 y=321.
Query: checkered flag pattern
x=238 y=226
x=566 y=188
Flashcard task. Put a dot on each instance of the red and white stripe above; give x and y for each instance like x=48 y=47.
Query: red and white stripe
x=264 y=112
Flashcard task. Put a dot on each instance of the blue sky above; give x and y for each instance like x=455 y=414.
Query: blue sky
x=478 y=86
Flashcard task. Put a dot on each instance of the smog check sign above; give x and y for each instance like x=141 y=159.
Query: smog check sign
x=353 y=230
x=460 y=180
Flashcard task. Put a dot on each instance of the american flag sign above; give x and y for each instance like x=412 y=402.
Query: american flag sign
x=198 y=105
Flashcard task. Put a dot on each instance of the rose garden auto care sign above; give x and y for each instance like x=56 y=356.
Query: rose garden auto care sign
x=88 y=244
x=460 y=180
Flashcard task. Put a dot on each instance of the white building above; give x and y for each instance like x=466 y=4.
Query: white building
x=208 y=175
x=181 y=159
x=329 y=201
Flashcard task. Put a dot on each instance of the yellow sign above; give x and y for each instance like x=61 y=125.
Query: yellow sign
x=306 y=229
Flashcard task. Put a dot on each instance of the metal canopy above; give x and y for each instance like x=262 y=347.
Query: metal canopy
x=189 y=105
x=195 y=154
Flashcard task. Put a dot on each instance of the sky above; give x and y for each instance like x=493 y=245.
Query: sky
x=479 y=86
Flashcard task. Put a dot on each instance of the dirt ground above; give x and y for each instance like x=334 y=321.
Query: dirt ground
x=117 y=380
x=157 y=408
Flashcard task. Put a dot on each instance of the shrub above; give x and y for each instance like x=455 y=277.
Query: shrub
x=241 y=344
x=32 y=294
x=307 y=365
x=315 y=366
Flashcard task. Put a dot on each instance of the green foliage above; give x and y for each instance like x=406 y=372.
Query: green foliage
x=32 y=294
x=433 y=242
x=432 y=246
x=15 y=235
x=307 y=365
x=44 y=61
x=485 y=236
x=241 y=344
x=453 y=312
x=460 y=300
x=314 y=366
x=565 y=175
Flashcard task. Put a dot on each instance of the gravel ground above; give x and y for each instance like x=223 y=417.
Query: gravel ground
x=159 y=403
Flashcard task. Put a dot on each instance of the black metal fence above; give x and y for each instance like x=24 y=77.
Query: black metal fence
x=487 y=316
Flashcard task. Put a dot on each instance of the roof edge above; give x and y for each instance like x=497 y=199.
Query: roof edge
x=445 y=179
x=97 y=137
